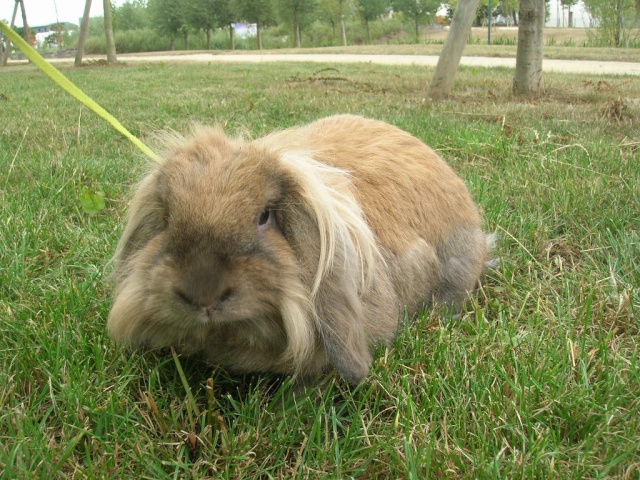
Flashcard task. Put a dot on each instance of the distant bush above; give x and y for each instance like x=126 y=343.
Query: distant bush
x=504 y=40
x=148 y=40
x=318 y=34
x=145 y=40
x=602 y=38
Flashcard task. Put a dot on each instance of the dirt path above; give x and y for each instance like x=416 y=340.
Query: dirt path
x=566 y=66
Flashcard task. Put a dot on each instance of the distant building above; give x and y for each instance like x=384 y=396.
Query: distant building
x=44 y=31
x=245 y=30
x=577 y=16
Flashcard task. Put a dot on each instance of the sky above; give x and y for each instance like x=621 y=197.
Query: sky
x=43 y=12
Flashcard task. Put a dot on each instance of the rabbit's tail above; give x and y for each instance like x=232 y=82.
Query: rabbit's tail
x=492 y=262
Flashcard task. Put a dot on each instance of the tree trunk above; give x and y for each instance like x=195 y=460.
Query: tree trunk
x=452 y=49
x=208 y=38
x=296 y=27
x=527 y=80
x=7 y=52
x=84 y=25
x=366 y=27
x=232 y=37
x=417 y=26
x=619 y=23
x=108 y=32
x=59 y=35
x=259 y=35
x=344 y=31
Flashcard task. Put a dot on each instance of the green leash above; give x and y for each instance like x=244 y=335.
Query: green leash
x=72 y=89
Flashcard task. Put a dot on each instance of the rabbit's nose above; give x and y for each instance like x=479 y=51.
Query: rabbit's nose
x=204 y=288
x=204 y=299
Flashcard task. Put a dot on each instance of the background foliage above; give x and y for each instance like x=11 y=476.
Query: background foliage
x=156 y=25
x=619 y=21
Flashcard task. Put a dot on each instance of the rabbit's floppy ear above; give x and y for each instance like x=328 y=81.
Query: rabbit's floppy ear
x=145 y=220
x=326 y=229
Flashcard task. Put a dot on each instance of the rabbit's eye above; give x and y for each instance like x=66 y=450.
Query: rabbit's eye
x=264 y=217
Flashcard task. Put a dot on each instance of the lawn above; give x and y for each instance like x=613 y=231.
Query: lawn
x=540 y=378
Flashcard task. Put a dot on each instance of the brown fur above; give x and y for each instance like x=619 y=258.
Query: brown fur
x=364 y=221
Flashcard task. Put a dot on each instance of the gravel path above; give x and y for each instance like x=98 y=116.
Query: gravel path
x=568 y=66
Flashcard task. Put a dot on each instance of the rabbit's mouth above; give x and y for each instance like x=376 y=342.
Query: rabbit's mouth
x=214 y=313
x=210 y=315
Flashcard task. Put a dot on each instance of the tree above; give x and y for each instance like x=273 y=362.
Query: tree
x=108 y=31
x=527 y=80
x=509 y=9
x=184 y=30
x=370 y=10
x=225 y=17
x=417 y=10
x=131 y=15
x=482 y=10
x=255 y=11
x=295 y=14
x=568 y=4
x=84 y=25
x=506 y=8
x=618 y=20
x=168 y=17
x=452 y=49
x=202 y=15
x=336 y=10
x=96 y=27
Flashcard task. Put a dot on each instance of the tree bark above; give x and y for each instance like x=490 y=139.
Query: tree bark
x=232 y=37
x=527 y=80
x=108 y=32
x=259 y=35
x=619 y=23
x=84 y=26
x=296 y=27
x=344 y=31
x=449 y=59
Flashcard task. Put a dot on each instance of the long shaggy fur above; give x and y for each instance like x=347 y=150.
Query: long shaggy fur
x=294 y=252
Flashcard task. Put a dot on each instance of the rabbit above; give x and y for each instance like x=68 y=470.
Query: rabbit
x=295 y=253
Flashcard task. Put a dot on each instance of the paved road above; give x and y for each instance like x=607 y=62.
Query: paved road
x=568 y=66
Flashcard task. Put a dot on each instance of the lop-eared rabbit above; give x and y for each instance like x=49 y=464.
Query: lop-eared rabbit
x=296 y=252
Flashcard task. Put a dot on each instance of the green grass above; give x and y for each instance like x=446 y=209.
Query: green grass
x=539 y=379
